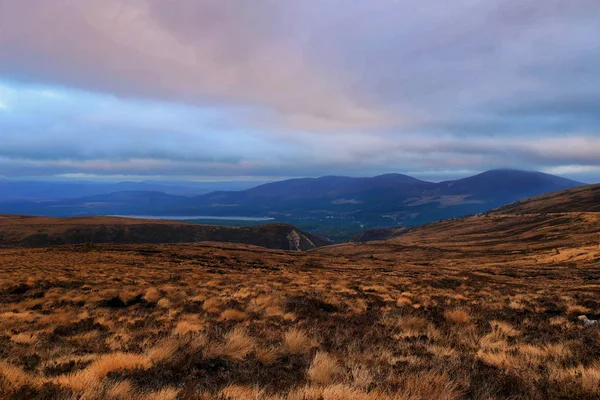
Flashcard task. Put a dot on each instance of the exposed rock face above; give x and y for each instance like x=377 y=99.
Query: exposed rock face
x=301 y=241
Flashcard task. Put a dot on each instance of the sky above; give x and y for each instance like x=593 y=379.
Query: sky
x=267 y=89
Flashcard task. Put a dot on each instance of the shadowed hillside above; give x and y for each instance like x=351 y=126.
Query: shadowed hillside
x=42 y=231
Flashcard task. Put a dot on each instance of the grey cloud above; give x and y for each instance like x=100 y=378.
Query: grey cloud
x=338 y=63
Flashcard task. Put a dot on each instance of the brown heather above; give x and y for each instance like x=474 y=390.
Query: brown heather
x=447 y=312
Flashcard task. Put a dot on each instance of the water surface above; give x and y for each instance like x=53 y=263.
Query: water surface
x=191 y=217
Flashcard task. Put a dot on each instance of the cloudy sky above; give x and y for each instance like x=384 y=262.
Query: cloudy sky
x=263 y=89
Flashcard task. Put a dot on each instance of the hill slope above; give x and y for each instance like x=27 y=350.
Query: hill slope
x=42 y=231
x=571 y=203
x=580 y=199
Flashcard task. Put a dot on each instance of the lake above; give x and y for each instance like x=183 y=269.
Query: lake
x=190 y=217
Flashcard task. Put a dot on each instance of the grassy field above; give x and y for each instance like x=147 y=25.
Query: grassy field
x=355 y=322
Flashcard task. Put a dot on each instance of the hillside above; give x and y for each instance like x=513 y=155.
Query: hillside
x=580 y=199
x=42 y=231
x=507 y=185
x=556 y=209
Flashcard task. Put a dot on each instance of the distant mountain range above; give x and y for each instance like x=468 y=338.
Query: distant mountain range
x=36 y=190
x=363 y=203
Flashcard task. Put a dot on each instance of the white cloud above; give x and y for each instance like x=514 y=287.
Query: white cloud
x=572 y=169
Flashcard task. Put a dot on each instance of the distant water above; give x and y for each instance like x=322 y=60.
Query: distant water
x=189 y=217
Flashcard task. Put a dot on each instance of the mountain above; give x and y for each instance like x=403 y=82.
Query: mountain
x=333 y=206
x=27 y=231
x=332 y=188
x=318 y=196
x=507 y=185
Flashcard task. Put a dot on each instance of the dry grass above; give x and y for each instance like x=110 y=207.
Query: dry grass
x=296 y=341
x=13 y=377
x=152 y=295
x=163 y=351
x=324 y=369
x=233 y=315
x=237 y=344
x=457 y=316
x=202 y=322
x=164 y=303
x=100 y=368
x=163 y=394
x=24 y=338
x=185 y=327
x=412 y=323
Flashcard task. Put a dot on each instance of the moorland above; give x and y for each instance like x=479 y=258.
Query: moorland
x=480 y=307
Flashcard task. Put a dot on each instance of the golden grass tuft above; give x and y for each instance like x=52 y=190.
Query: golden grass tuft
x=457 y=316
x=403 y=301
x=296 y=341
x=577 y=309
x=186 y=327
x=237 y=392
x=233 y=315
x=267 y=355
x=324 y=369
x=237 y=344
x=101 y=367
x=163 y=394
x=162 y=351
x=26 y=316
x=585 y=378
x=13 y=377
x=164 y=303
x=121 y=390
x=411 y=323
x=212 y=305
x=504 y=328
x=24 y=338
x=152 y=295
x=362 y=377
x=337 y=391
x=274 y=311
x=430 y=385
